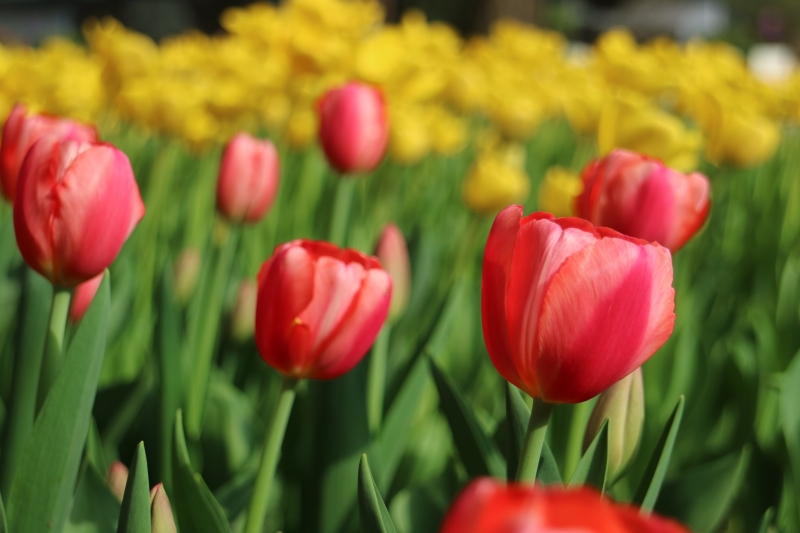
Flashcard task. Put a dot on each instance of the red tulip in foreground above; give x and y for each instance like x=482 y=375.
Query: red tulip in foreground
x=21 y=132
x=640 y=197
x=248 y=178
x=353 y=127
x=76 y=204
x=82 y=297
x=570 y=309
x=488 y=506
x=319 y=308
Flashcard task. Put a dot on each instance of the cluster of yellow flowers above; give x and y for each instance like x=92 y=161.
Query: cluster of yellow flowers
x=662 y=98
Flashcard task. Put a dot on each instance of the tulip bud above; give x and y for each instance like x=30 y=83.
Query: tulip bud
x=558 y=191
x=244 y=311
x=117 y=478
x=319 y=308
x=82 y=298
x=622 y=405
x=161 y=518
x=186 y=272
x=248 y=178
x=75 y=206
x=353 y=127
x=21 y=132
x=392 y=252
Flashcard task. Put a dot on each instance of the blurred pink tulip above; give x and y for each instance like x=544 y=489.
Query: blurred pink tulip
x=392 y=252
x=248 y=178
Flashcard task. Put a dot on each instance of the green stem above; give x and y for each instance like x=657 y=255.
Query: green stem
x=534 y=440
x=259 y=501
x=54 y=342
x=577 y=427
x=343 y=202
x=376 y=380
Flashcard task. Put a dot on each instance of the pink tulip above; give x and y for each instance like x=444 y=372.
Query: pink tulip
x=21 y=132
x=82 y=298
x=161 y=517
x=319 y=308
x=117 y=478
x=570 y=309
x=75 y=205
x=248 y=178
x=640 y=197
x=353 y=127
x=392 y=252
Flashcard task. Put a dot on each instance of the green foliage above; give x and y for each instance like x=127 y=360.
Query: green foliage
x=374 y=515
x=134 y=516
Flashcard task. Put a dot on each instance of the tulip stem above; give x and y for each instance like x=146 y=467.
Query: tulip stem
x=577 y=427
x=376 y=380
x=342 y=205
x=54 y=342
x=259 y=501
x=534 y=441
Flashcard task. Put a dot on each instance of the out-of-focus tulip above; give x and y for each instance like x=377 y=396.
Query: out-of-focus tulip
x=301 y=130
x=117 y=478
x=353 y=127
x=570 y=309
x=558 y=191
x=622 y=405
x=496 y=179
x=640 y=197
x=75 y=206
x=161 y=518
x=82 y=298
x=319 y=308
x=248 y=178
x=410 y=135
x=186 y=272
x=244 y=311
x=737 y=135
x=489 y=506
x=21 y=132
x=392 y=252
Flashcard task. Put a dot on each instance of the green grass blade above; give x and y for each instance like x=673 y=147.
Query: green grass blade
x=592 y=469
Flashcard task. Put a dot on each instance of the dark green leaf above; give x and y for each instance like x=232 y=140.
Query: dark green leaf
x=374 y=515
x=95 y=508
x=169 y=353
x=3 y=525
x=196 y=510
x=94 y=448
x=653 y=477
x=548 y=473
x=766 y=520
x=43 y=487
x=476 y=450
x=593 y=466
x=790 y=416
x=134 y=516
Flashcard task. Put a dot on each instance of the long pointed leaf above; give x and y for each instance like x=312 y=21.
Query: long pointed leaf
x=3 y=525
x=548 y=473
x=766 y=520
x=134 y=517
x=374 y=515
x=43 y=487
x=592 y=469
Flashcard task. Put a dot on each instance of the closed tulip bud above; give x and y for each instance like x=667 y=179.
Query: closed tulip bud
x=75 y=206
x=21 y=132
x=353 y=127
x=558 y=191
x=161 y=518
x=622 y=405
x=319 y=308
x=82 y=298
x=392 y=252
x=186 y=272
x=248 y=178
x=490 y=506
x=244 y=311
x=641 y=197
x=117 y=478
x=570 y=309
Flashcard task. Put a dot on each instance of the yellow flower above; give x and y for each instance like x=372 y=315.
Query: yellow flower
x=449 y=131
x=558 y=191
x=302 y=128
x=409 y=134
x=496 y=180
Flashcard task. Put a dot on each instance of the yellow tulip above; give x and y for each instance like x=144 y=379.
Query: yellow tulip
x=302 y=128
x=497 y=179
x=448 y=131
x=558 y=190
x=409 y=135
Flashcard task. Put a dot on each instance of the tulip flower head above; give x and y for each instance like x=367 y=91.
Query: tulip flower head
x=392 y=252
x=319 y=308
x=21 y=132
x=82 y=298
x=489 y=506
x=570 y=309
x=248 y=178
x=640 y=197
x=353 y=127
x=76 y=204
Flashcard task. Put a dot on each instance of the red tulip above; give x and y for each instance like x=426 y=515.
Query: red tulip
x=21 y=132
x=319 y=308
x=82 y=298
x=248 y=178
x=353 y=127
x=570 y=309
x=392 y=252
x=640 y=197
x=76 y=204
x=489 y=506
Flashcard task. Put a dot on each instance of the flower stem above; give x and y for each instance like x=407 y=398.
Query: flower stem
x=54 y=342
x=341 y=210
x=376 y=380
x=534 y=441
x=577 y=427
x=259 y=501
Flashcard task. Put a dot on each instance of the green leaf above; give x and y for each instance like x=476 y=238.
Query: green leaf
x=3 y=525
x=196 y=510
x=548 y=473
x=43 y=487
x=169 y=354
x=592 y=469
x=95 y=508
x=766 y=520
x=478 y=453
x=653 y=477
x=134 y=517
x=517 y=416
x=374 y=515
x=702 y=496
x=790 y=416
x=94 y=448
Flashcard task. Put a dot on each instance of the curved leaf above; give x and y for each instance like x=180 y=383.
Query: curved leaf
x=374 y=515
